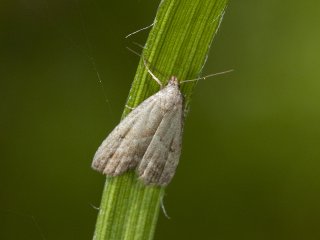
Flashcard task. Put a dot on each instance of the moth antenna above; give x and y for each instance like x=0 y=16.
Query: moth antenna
x=152 y=75
x=210 y=75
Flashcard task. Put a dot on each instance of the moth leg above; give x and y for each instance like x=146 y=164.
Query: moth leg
x=151 y=73
x=131 y=108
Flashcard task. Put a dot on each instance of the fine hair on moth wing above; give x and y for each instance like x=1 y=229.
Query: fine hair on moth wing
x=149 y=138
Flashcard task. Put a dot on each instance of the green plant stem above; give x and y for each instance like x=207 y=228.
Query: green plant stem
x=177 y=45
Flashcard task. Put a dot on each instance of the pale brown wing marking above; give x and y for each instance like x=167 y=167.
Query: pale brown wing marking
x=162 y=156
x=110 y=145
x=136 y=142
x=124 y=148
x=174 y=151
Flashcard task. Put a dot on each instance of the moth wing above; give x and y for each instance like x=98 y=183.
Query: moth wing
x=160 y=161
x=124 y=147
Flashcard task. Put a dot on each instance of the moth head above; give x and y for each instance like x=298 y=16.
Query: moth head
x=174 y=81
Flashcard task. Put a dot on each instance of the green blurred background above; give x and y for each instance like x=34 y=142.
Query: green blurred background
x=250 y=164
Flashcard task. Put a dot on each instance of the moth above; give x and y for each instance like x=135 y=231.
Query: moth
x=148 y=139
